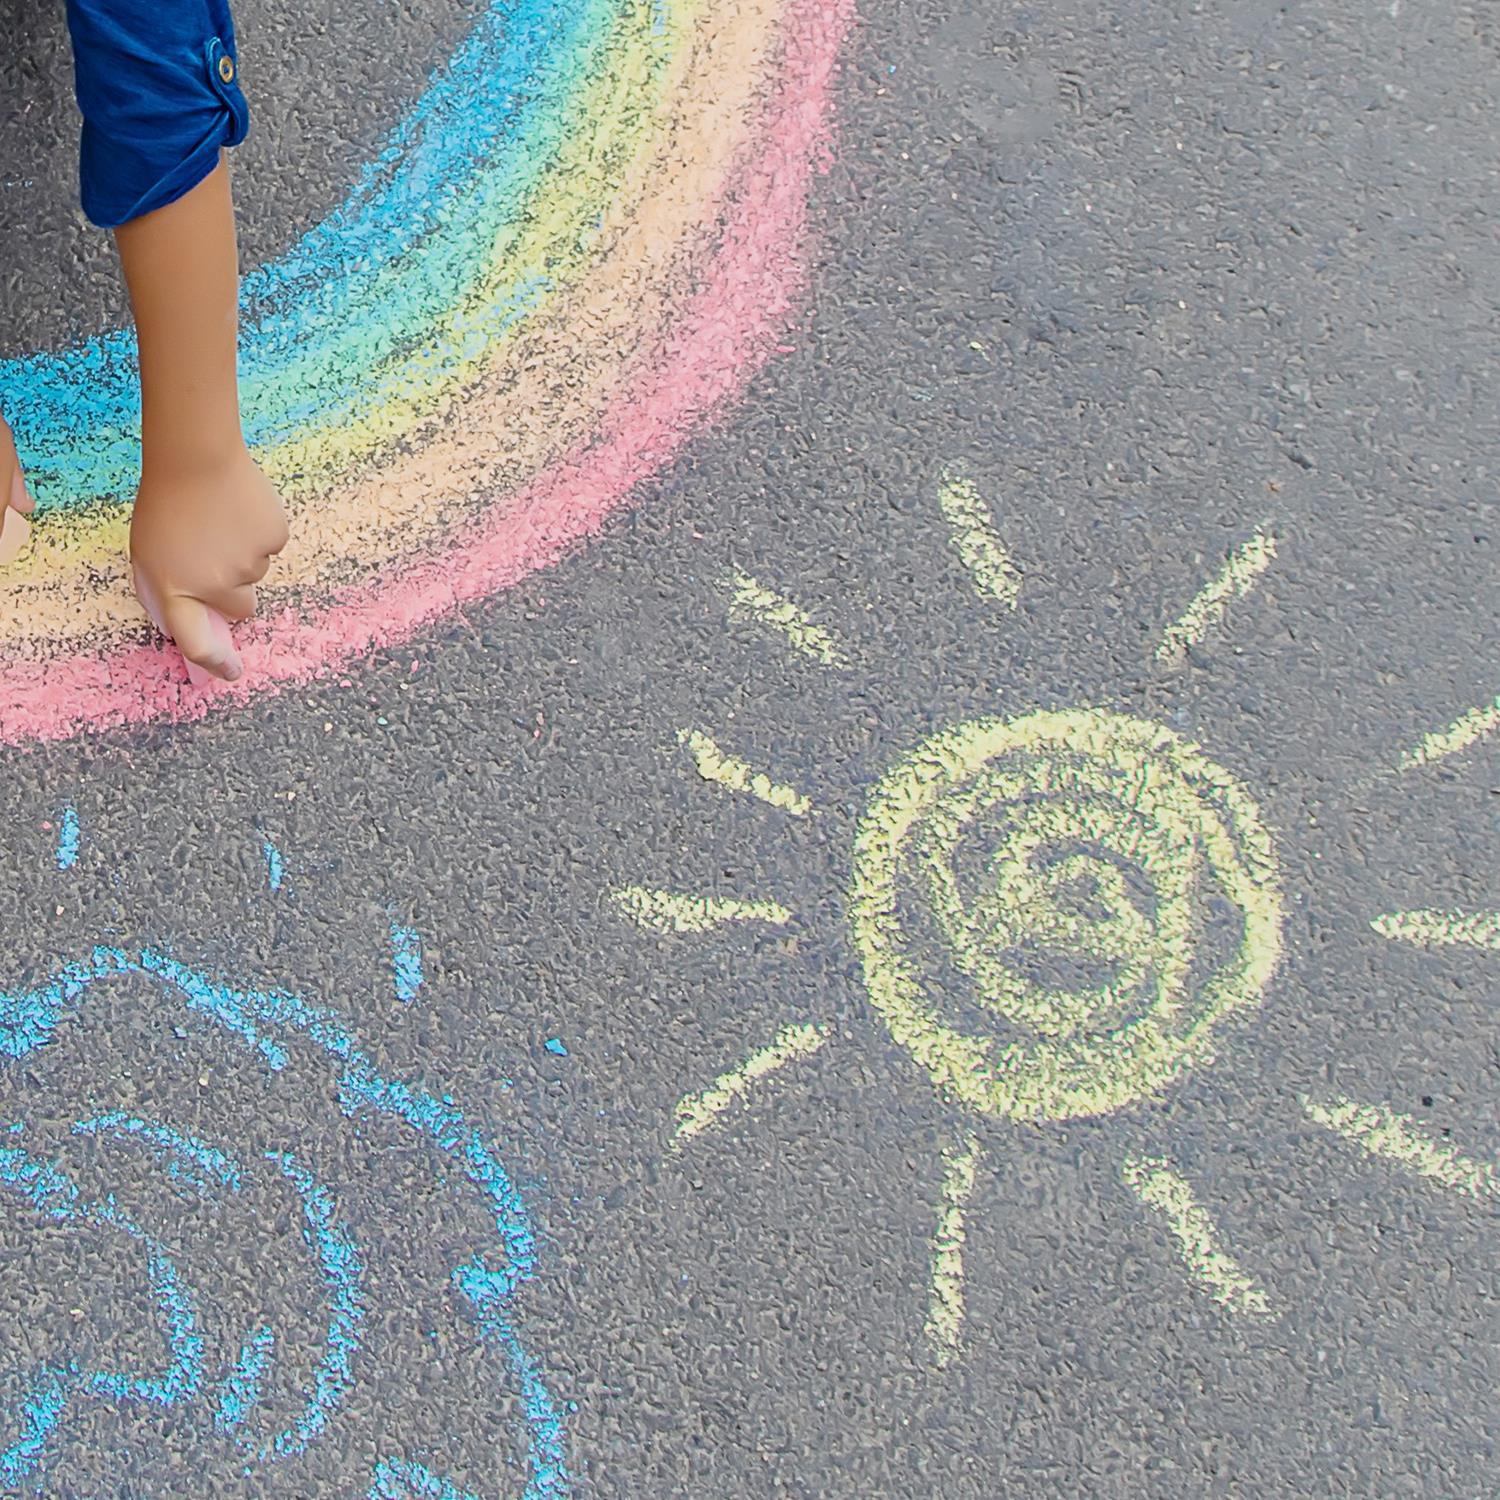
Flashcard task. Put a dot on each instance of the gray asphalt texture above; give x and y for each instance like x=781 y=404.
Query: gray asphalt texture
x=1154 y=276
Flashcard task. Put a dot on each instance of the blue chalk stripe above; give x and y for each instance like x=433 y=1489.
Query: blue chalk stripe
x=42 y=1410
x=406 y=957
x=68 y=838
x=343 y=1273
x=239 y=1392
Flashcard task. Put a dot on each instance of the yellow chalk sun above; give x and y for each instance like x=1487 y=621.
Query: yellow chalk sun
x=1057 y=914
x=1025 y=835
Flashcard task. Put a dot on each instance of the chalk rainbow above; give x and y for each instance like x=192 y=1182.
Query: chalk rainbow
x=582 y=241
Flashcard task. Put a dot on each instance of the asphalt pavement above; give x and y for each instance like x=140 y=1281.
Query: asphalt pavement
x=945 y=947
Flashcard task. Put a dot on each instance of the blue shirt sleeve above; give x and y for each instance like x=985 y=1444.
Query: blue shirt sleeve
x=158 y=87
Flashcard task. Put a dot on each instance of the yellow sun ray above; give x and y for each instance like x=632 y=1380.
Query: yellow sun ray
x=696 y=1112
x=979 y=548
x=1398 y=1138
x=1459 y=735
x=1234 y=580
x=671 y=911
x=1441 y=929
x=1158 y=1186
x=728 y=771
x=945 y=1318
x=756 y=602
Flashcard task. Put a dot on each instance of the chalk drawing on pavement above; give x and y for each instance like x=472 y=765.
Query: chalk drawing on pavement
x=698 y=1111
x=978 y=544
x=945 y=1312
x=406 y=962
x=581 y=243
x=1441 y=929
x=669 y=911
x=1059 y=915
x=69 y=836
x=1398 y=1138
x=736 y=775
x=1159 y=1186
x=754 y=601
x=1027 y=836
x=204 y=1365
x=1241 y=572
x=1468 y=729
x=275 y=864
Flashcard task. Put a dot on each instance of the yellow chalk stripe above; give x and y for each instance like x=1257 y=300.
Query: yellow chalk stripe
x=1459 y=735
x=1441 y=929
x=974 y=536
x=946 y=1315
x=1158 y=1186
x=665 y=911
x=1398 y=1138
x=727 y=771
x=1233 y=581
x=755 y=601
x=698 y=1111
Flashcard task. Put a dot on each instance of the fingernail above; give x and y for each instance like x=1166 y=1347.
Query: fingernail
x=228 y=669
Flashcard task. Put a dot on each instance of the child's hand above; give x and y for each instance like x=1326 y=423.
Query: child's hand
x=201 y=538
x=13 y=498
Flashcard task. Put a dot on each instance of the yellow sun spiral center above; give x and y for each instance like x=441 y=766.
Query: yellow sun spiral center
x=1089 y=886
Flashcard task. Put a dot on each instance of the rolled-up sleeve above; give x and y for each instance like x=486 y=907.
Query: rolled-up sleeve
x=159 y=90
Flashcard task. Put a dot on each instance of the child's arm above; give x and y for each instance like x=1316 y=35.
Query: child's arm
x=159 y=90
x=206 y=520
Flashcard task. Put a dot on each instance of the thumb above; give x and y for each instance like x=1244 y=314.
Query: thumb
x=15 y=530
x=202 y=635
x=20 y=496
